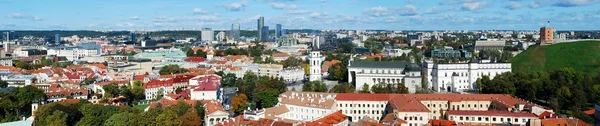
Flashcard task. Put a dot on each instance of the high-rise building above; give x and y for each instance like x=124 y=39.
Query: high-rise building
x=57 y=39
x=278 y=33
x=235 y=32
x=317 y=41
x=208 y=35
x=221 y=36
x=547 y=34
x=265 y=33
x=260 y=26
x=132 y=37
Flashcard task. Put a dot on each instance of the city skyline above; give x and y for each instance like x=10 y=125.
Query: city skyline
x=298 y=14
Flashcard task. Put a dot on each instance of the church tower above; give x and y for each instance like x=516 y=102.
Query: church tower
x=315 y=65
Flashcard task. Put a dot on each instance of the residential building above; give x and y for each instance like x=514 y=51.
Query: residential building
x=391 y=52
x=489 y=44
x=270 y=70
x=73 y=53
x=214 y=113
x=292 y=74
x=461 y=76
x=206 y=87
x=279 y=57
x=369 y=73
x=491 y=117
x=57 y=39
x=286 y=41
x=163 y=86
x=20 y=80
x=6 y=61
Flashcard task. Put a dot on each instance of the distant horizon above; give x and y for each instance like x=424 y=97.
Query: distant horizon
x=558 y=30
x=300 y=14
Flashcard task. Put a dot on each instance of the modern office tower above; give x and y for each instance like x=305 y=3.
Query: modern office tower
x=260 y=26
x=208 y=35
x=265 y=33
x=221 y=36
x=235 y=32
x=57 y=39
x=278 y=33
x=132 y=37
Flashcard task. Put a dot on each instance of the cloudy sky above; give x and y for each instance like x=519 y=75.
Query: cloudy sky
x=295 y=14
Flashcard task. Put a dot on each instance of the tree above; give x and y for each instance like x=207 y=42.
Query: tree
x=338 y=71
x=58 y=118
x=228 y=80
x=314 y=86
x=290 y=62
x=199 y=107
x=267 y=98
x=121 y=119
x=307 y=87
x=138 y=83
x=148 y=118
x=239 y=103
x=342 y=88
x=365 y=89
x=306 y=69
x=111 y=90
x=44 y=112
x=180 y=108
x=200 y=53
x=3 y=84
x=95 y=114
x=189 y=52
x=168 y=118
x=178 y=90
x=171 y=69
x=190 y=118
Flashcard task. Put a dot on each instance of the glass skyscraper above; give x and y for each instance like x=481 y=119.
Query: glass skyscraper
x=278 y=32
x=235 y=32
x=260 y=27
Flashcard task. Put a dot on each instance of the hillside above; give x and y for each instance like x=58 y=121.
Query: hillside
x=582 y=56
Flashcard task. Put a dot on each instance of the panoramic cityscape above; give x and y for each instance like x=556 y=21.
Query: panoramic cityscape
x=300 y=63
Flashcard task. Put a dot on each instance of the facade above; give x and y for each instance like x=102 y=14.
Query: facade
x=489 y=44
x=270 y=70
x=286 y=41
x=6 y=61
x=292 y=74
x=369 y=73
x=208 y=35
x=491 y=117
x=265 y=33
x=73 y=53
x=164 y=86
x=20 y=80
x=461 y=76
x=547 y=34
x=57 y=39
x=315 y=66
x=317 y=41
x=395 y=52
x=260 y=24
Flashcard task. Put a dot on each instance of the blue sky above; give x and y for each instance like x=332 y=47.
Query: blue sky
x=295 y=14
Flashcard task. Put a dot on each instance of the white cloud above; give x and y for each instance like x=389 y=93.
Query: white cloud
x=199 y=11
x=135 y=18
x=281 y=6
x=377 y=11
x=408 y=10
x=298 y=11
x=207 y=18
x=128 y=25
x=573 y=3
x=432 y=10
x=164 y=19
x=22 y=16
x=474 y=6
x=540 y=3
x=450 y=2
x=513 y=5
x=235 y=6
x=319 y=15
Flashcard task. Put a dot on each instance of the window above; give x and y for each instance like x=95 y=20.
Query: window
x=516 y=120
x=428 y=105
x=479 y=119
x=433 y=105
x=501 y=119
x=494 y=119
x=508 y=119
x=421 y=118
x=461 y=118
x=467 y=118
x=463 y=105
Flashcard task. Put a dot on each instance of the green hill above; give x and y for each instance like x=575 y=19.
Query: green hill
x=582 y=56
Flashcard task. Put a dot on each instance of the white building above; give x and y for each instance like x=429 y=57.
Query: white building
x=78 y=52
x=206 y=87
x=270 y=70
x=462 y=76
x=292 y=74
x=208 y=35
x=315 y=66
x=395 y=52
x=371 y=73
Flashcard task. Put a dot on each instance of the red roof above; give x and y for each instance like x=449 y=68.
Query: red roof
x=590 y=112
x=329 y=120
x=77 y=75
x=195 y=59
x=442 y=122
x=547 y=114
x=491 y=113
x=208 y=83
x=159 y=83
x=139 y=77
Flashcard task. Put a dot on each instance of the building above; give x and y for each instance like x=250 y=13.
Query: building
x=270 y=70
x=234 y=33
x=206 y=87
x=395 y=51
x=449 y=52
x=57 y=39
x=292 y=74
x=278 y=31
x=20 y=80
x=6 y=61
x=547 y=34
x=221 y=36
x=208 y=35
x=260 y=24
x=461 y=76
x=286 y=41
x=369 y=73
x=163 y=86
x=489 y=44
x=315 y=65
x=73 y=53
x=317 y=41
x=265 y=33
x=490 y=117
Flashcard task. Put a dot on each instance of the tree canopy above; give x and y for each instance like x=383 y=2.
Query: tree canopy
x=171 y=69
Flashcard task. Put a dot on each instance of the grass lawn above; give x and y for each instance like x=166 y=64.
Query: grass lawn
x=141 y=106
x=581 y=56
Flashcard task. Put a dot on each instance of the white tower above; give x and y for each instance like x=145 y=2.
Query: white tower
x=315 y=65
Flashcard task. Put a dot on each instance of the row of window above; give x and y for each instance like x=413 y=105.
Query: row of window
x=362 y=105
x=466 y=118
x=377 y=112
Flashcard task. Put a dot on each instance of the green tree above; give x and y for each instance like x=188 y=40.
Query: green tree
x=314 y=86
x=58 y=118
x=267 y=98
x=342 y=88
x=338 y=71
x=43 y=113
x=171 y=69
x=95 y=115
x=3 y=84
x=199 y=107
x=148 y=118
x=138 y=83
x=121 y=119
x=200 y=53
x=168 y=118
x=111 y=90
x=290 y=62
x=189 y=52
x=180 y=108
x=190 y=118
x=365 y=89
x=229 y=80
x=178 y=90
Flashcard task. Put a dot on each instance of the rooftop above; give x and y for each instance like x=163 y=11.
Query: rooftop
x=378 y=64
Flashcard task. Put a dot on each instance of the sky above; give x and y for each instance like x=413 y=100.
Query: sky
x=299 y=14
